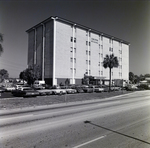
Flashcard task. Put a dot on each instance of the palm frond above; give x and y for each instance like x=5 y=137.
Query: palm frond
x=1 y=37
x=1 y=49
x=110 y=61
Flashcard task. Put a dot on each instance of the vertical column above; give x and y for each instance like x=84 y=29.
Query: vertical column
x=88 y=49
x=99 y=64
x=112 y=51
x=128 y=63
x=73 y=36
x=120 y=59
x=54 y=50
x=43 y=52
x=102 y=73
x=34 y=46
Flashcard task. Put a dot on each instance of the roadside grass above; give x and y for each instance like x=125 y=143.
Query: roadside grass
x=12 y=103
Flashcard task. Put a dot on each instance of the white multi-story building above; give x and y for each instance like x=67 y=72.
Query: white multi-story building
x=67 y=50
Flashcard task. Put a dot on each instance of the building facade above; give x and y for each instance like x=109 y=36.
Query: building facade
x=66 y=50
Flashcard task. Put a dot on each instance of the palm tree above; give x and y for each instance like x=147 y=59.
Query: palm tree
x=1 y=40
x=110 y=61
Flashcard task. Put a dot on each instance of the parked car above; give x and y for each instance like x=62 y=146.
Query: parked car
x=116 y=88
x=56 y=90
x=38 y=87
x=2 y=89
x=98 y=89
x=10 y=88
x=39 y=83
x=106 y=88
x=25 y=92
x=71 y=91
x=79 y=89
x=131 y=87
x=43 y=92
x=88 y=89
x=19 y=86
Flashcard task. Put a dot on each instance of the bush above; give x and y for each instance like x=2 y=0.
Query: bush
x=143 y=87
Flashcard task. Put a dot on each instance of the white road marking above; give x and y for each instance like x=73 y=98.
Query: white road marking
x=90 y=141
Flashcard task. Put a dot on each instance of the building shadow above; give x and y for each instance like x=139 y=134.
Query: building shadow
x=89 y=122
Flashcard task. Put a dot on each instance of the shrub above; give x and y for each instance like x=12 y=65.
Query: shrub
x=143 y=87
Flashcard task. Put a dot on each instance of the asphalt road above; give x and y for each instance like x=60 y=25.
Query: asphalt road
x=118 y=122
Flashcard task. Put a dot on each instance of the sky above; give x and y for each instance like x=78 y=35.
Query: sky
x=128 y=20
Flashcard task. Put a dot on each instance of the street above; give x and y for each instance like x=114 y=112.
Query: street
x=117 y=122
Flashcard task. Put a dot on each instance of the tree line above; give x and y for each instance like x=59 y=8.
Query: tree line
x=134 y=79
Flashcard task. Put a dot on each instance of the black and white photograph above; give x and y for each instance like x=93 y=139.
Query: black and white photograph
x=74 y=73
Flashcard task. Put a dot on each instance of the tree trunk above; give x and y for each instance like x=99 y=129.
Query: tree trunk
x=109 y=79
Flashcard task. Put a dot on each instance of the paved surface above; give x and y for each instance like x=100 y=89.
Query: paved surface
x=118 y=122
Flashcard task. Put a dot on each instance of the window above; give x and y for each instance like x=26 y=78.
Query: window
x=101 y=72
x=86 y=61
x=74 y=60
x=120 y=74
x=86 y=33
x=75 y=70
x=109 y=40
x=89 y=52
x=89 y=72
x=110 y=49
x=89 y=62
x=70 y=70
x=75 y=29
x=74 y=50
x=71 y=60
x=86 y=42
x=120 y=43
x=71 y=39
x=101 y=46
x=86 y=52
x=101 y=55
